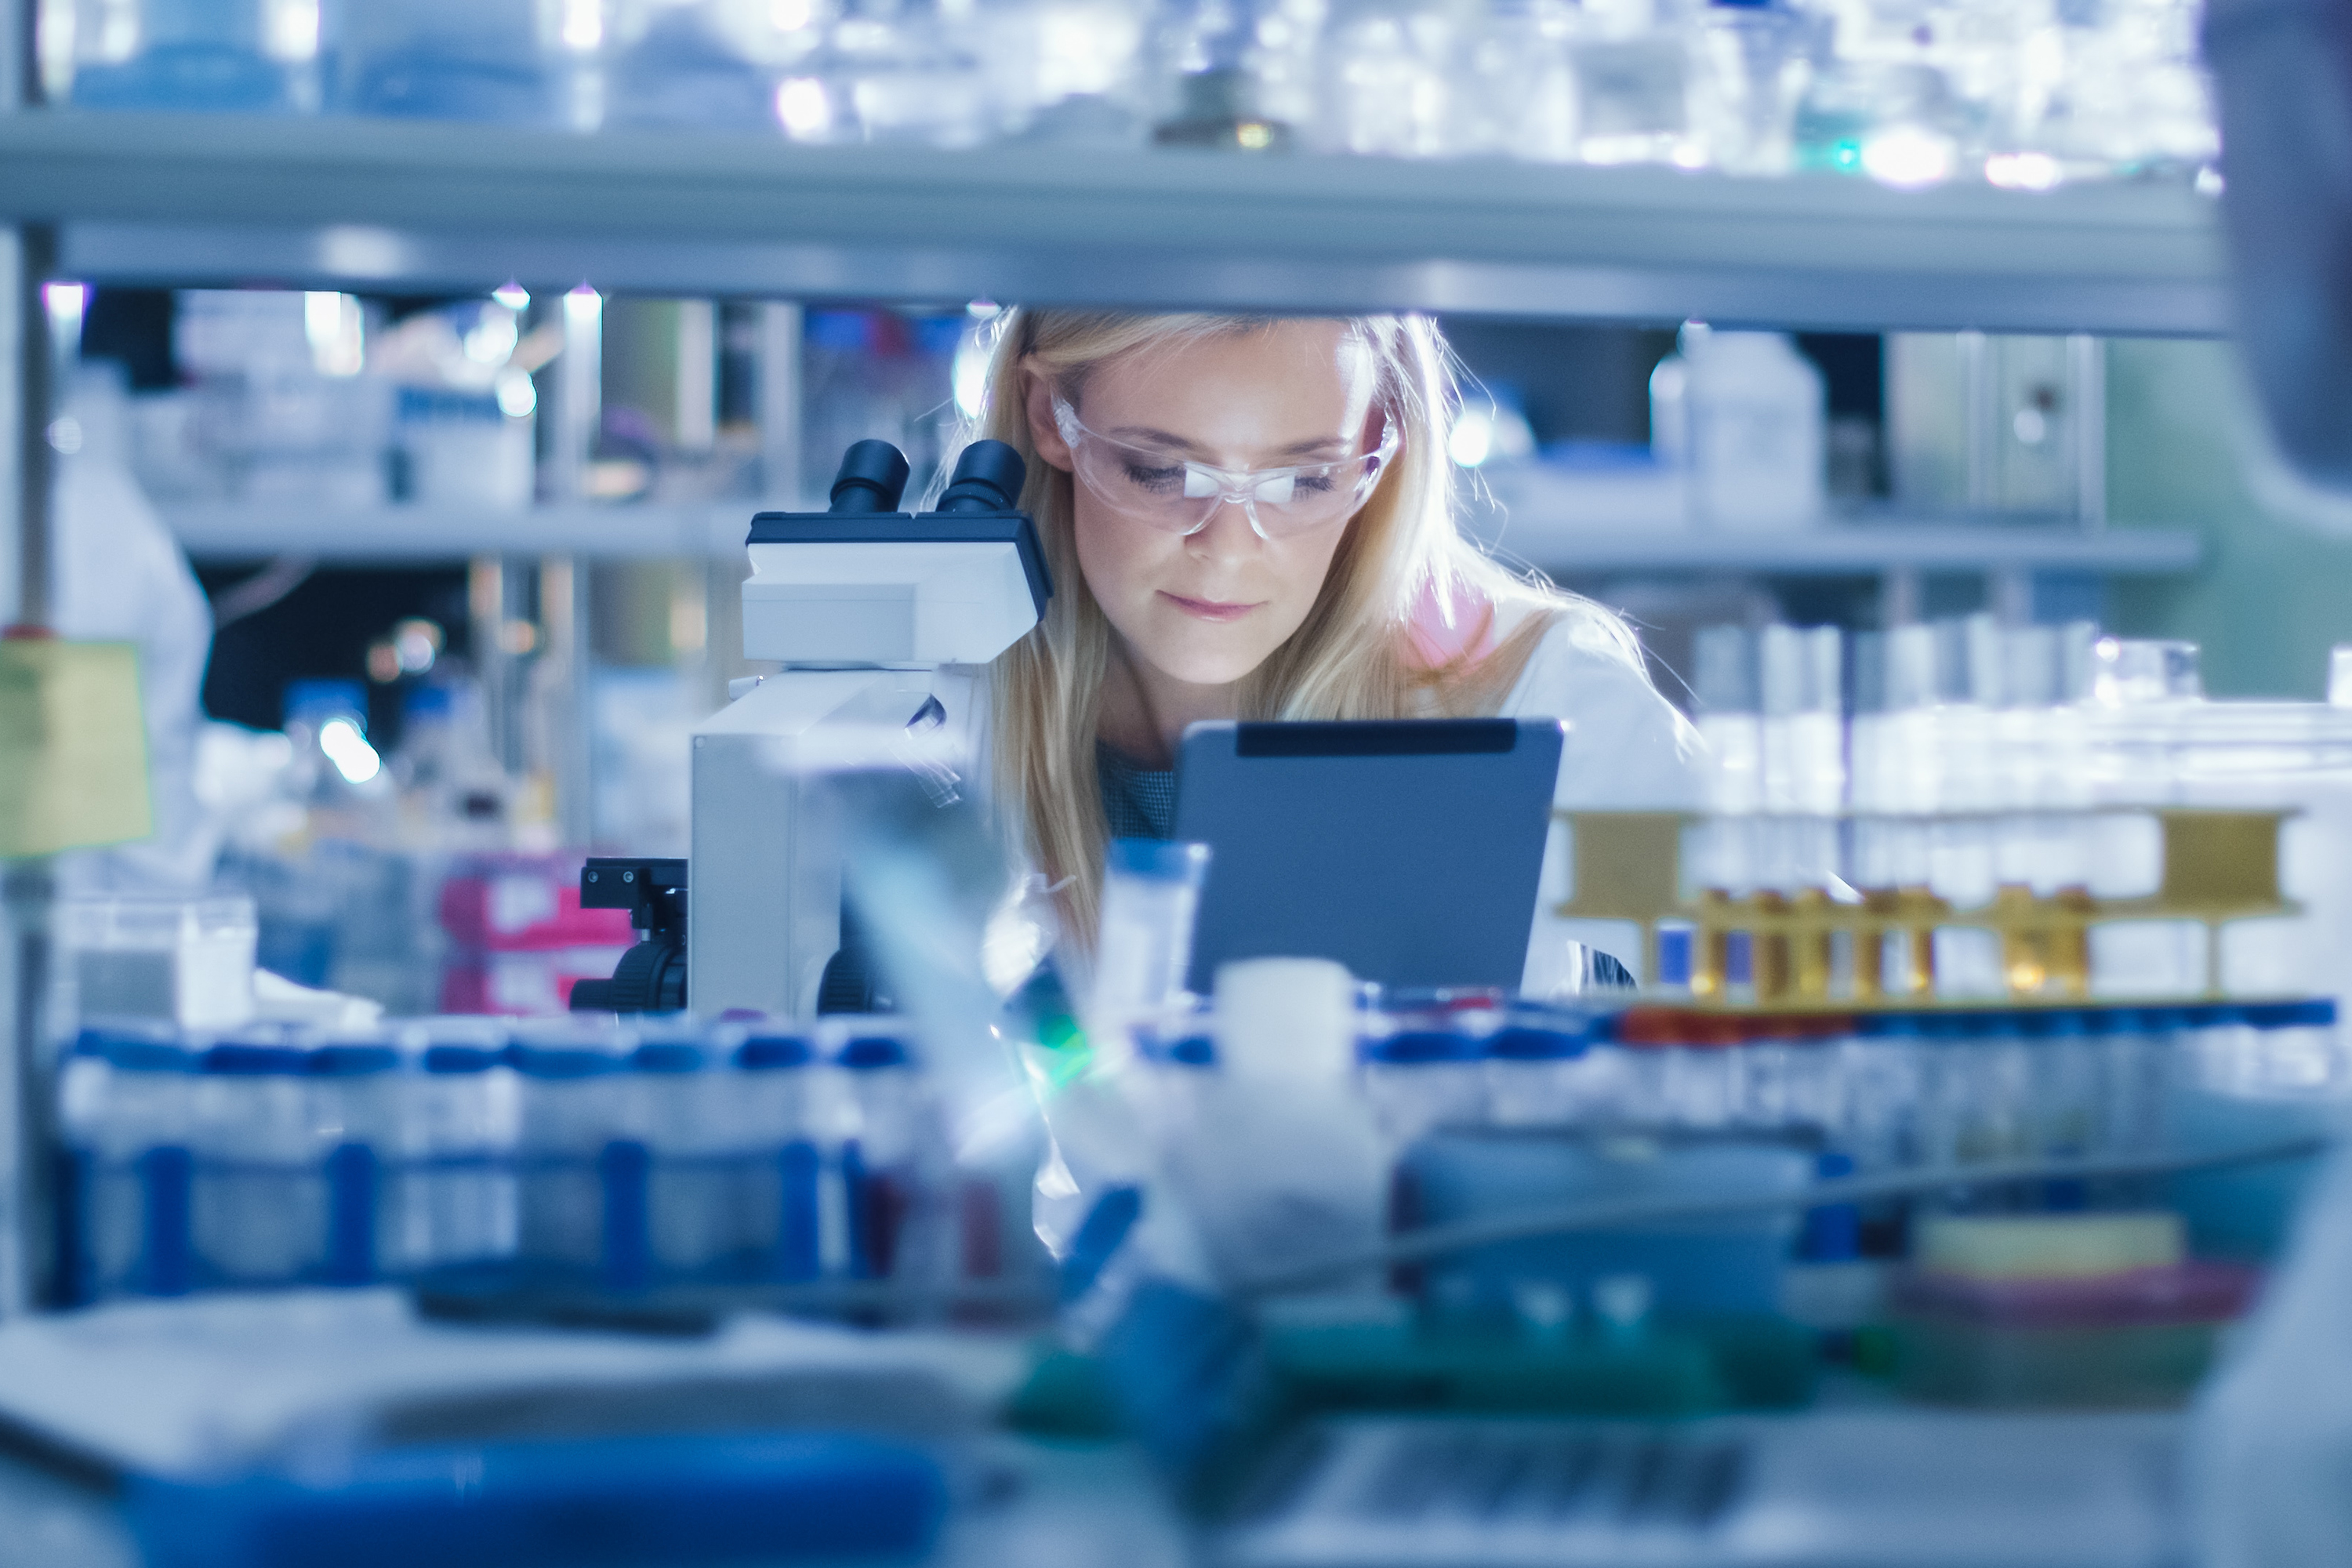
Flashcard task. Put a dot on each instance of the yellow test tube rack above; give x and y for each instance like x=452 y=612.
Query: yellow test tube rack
x=2217 y=866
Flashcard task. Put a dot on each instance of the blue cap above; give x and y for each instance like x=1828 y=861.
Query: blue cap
x=2049 y=1023
x=1161 y=860
x=2317 y=1012
x=1887 y=1026
x=141 y=1051
x=865 y=1052
x=1675 y=946
x=668 y=1057
x=766 y=1051
x=1413 y=1047
x=353 y=1059
x=454 y=1058
x=1192 y=1050
x=325 y=698
x=245 y=1059
x=553 y=1062
x=1529 y=1043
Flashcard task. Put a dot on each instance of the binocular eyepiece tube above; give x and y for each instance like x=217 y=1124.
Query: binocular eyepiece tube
x=873 y=477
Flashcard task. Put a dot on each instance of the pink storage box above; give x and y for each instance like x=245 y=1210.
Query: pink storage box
x=521 y=984
x=525 y=903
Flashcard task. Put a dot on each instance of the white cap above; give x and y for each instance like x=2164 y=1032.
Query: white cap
x=1287 y=1018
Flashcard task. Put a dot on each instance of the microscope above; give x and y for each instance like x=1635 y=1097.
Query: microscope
x=882 y=620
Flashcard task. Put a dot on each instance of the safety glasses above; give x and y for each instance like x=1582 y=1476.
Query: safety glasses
x=1176 y=495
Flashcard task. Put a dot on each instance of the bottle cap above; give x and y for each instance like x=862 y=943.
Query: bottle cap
x=762 y=1052
x=1159 y=860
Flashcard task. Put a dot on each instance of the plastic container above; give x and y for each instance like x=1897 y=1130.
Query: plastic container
x=355 y=1111
x=1757 y=437
x=456 y=1199
x=685 y=65
x=245 y=57
x=2144 y=1337
x=516 y=61
x=128 y=1115
x=1543 y=1073
x=187 y=962
x=1419 y=1078
x=257 y=1194
x=574 y=1087
x=784 y=1227
x=880 y=1178
x=1151 y=893
x=701 y=1152
x=1728 y=1265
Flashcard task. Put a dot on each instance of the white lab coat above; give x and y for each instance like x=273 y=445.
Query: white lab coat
x=117 y=575
x=1627 y=749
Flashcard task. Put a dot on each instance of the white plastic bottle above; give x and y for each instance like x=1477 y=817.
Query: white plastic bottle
x=1757 y=412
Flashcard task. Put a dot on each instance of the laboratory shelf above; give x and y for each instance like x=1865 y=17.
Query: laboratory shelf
x=239 y=530
x=414 y=207
x=1866 y=549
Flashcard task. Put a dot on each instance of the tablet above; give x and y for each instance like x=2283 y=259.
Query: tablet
x=1407 y=850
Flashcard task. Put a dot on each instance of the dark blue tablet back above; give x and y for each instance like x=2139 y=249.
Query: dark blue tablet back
x=1408 y=850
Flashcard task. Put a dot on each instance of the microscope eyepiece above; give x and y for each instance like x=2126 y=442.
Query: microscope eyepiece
x=988 y=478
x=872 y=478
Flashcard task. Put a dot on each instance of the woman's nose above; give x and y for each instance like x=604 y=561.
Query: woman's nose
x=1229 y=535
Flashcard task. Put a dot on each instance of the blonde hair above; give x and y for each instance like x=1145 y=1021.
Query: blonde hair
x=1353 y=658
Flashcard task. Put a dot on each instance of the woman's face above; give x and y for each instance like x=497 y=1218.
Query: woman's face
x=1209 y=608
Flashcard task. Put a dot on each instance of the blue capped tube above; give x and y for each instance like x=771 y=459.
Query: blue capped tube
x=454 y=1194
x=783 y=1184
x=258 y=1196
x=572 y=1093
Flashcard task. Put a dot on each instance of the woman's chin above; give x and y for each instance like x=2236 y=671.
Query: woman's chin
x=1201 y=656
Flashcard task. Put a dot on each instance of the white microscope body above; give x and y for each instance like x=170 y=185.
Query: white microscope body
x=883 y=621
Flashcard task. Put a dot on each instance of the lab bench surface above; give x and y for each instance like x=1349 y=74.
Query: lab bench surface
x=1046 y=1506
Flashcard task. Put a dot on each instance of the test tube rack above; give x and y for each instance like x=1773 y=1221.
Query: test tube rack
x=2217 y=866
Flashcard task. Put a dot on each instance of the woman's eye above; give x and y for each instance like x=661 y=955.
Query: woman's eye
x=1313 y=482
x=1157 y=480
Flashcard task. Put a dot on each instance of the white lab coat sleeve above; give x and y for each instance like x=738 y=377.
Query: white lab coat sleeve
x=1627 y=748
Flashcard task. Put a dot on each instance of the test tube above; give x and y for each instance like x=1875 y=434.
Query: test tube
x=128 y=1108
x=1151 y=891
x=355 y=1094
x=880 y=1175
x=572 y=1096
x=687 y=1112
x=257 y=1194
x=783 y=1207
x=458 y=1201
x=1537 y=1072
x=1426 y=1074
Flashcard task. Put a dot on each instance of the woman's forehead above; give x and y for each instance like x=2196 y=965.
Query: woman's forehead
x=1287 y=382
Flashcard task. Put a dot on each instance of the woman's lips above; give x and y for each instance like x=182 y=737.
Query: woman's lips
x=1207 y=609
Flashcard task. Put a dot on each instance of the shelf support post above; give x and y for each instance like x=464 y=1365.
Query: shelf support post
x=2087 y=368
x=28 y=887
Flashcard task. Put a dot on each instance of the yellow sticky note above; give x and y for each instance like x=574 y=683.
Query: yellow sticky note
x=73 y=747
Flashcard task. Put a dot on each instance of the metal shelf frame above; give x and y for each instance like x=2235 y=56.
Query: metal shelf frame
x=379 y=205
x=715 y=528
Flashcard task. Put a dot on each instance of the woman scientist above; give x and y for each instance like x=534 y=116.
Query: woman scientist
x=1255 y=519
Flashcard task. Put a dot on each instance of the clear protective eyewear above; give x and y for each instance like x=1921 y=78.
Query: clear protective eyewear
x=1178 y=496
